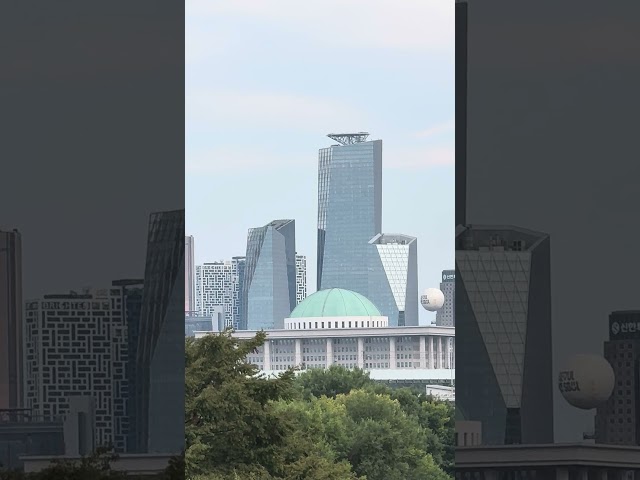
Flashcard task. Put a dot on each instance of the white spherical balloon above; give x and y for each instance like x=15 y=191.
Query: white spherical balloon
x=432 y=299
x=586 y=381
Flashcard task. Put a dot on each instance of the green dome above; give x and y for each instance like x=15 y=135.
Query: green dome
x=335 y=302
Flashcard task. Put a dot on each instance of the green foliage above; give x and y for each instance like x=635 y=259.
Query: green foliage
x=334 y=424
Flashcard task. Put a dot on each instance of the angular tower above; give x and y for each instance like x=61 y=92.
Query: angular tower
x=503 y=326
x=269 y=284
x=393 y=280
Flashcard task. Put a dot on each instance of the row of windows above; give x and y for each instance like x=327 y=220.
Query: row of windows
x=336 y=324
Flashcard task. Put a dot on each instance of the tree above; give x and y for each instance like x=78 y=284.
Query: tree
x=230 y=424
x=332 y=382
x=234 y=426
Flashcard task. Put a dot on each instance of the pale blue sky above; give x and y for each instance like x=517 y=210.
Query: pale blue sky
x=265 y=83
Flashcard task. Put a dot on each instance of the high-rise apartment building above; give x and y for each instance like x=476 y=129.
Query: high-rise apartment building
x=446 y=316
x=301 y=278
x=393 y=278
x=160 y=354
x=219 y=284
x=76 y=345
x=189 y=275
x=11 y=321
x=349 y=212
x=617 y=419
x=503 y=323
x=269 y=285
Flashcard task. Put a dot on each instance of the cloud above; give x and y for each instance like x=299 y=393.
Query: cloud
x=408 y=25
x=419 y=158
x=439 y=129
x=266 y=110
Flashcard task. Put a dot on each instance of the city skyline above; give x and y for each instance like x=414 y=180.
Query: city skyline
x=253 y=136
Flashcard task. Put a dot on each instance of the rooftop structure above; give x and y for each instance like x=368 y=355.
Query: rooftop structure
x=349 y=138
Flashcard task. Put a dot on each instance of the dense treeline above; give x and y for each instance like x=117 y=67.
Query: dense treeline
x=334 y=424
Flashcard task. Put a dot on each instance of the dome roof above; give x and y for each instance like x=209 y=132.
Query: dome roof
x=335 y=302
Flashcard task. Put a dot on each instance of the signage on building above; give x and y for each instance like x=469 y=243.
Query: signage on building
x=567 y=382
x=620 y=329
x=449 y=276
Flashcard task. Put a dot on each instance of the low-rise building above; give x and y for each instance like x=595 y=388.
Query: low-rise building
x=341 y=327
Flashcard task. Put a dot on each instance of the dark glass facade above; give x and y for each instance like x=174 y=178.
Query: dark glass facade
x=160 y=353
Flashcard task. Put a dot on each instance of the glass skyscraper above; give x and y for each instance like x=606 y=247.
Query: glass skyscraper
x=349 y=212
x=393 y=279
x=269 y=283
x=160 y=353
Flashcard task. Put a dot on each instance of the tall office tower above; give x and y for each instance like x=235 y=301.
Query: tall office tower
x=76 y=345
x=301 y=278
x=219 y=284
x=269 y=287
x=160 y=353
x=189 y=275
x=461 y=112
x=503 y=323
x=617 y=419
x=446 y=316
x=349 y=211
x=130 y=292
x=393 y=280
x=11 y=322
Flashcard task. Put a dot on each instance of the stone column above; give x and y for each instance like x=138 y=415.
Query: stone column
x=360 y=354
x=423 y=353
x=298 y=359
x=392 y=352
x=603 y=475
x=267 y=355
x=430 y=353
x=562 y=473
x=453 y=352
x=329 y=350
x=439 y=353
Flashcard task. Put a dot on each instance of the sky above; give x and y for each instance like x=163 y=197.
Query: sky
x=552 y=127
x=267 y=81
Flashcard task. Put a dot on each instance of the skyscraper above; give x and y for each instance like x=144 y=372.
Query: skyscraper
x=617 y=419
x=76 y=344
x=393 y=280
x=349 y=211
x=160 y=353
x=189 y=275
x=301 y=278
x=445 y=317
x=504 y=377
x=219 y=284
x=11 y=323
x=269 y=286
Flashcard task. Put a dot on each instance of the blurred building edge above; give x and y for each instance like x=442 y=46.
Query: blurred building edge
x=160 y=354
x=11 y=321
x=580 y=461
